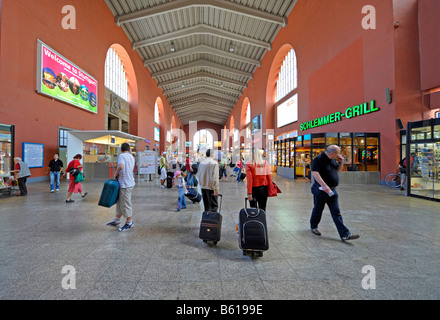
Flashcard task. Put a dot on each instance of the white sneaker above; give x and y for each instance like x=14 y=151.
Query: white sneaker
x=51 y=191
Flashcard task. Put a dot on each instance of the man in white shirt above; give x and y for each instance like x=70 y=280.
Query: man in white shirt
x=209 y=181
x=124 y=175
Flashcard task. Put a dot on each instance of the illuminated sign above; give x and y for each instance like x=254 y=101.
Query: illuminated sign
x=287 y=112
x=349 y=113
x=60 y=79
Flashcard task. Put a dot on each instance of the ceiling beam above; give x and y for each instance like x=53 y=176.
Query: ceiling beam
x=198 y=84
x=206 y=111
x=198 y=114
x=202 y=74
x=203 y=97
x=217 y=4
x=204 y=105
x=202 y=49
x=201 y=63
x=201 y=29
x=206 y=90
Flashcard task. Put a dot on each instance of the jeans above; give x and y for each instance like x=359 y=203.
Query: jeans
x=320 y=198
x=181 y=201
x=54 y=175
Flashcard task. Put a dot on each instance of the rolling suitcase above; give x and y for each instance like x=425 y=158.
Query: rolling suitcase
x=252 y=229
x=170 y=176
x=211 y=225
x=193 y=195
x=109 y=194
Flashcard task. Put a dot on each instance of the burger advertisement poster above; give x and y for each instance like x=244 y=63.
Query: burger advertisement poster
x=60 y=79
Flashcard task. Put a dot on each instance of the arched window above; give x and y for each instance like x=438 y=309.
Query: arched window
x=248 y=113
x=115 y=77
x=156 y=113
x=288 y=76
x=203 y=140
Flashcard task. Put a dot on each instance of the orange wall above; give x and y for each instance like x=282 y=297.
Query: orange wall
x=341 y=65
x=429 y=43
x=37 y=117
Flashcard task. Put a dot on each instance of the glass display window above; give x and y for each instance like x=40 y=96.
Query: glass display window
x=6 y=150
x=292 y=153
x=345 y=139
x=307 y=140
x=331 y=139
x=437 y=132
x=359 y=139
x=318 y=139
x=371 y=154
x=347 y=153
x=424 y=155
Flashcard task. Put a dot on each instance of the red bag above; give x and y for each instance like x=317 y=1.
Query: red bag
x=273 y=190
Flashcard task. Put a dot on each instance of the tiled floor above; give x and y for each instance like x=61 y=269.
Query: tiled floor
x=163 y=258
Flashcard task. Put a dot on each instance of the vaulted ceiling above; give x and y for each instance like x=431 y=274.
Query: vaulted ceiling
x=202 y=53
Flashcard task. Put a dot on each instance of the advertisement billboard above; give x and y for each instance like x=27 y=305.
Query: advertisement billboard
x=287 y=112
x=61 y=79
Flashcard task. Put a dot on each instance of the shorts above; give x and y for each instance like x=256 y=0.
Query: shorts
x=163 y=173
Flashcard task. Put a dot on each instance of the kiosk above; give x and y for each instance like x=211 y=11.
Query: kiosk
x=100 y=150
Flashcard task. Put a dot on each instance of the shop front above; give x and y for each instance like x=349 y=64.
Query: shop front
x=423 y=148
x=360 y=151
x=6 y=156
x=100 y=150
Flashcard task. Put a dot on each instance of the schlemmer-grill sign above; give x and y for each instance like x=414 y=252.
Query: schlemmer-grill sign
x=351 y=112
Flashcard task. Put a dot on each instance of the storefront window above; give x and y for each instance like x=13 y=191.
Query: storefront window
x=345 y=139
x=372 y=152
x=347 y=153
x=6 y=156
x=318 y=139
x=331 y=138
x=307 y=140
x=360 y=151
x=424 y=155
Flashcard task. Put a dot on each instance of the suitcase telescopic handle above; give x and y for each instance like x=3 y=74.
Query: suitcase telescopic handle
x=246 y=201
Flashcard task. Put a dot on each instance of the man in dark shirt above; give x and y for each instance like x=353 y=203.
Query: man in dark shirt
x=325 y=171
x=55 y=167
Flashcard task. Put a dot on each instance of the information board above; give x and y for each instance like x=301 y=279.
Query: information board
x=33 y=154
x=147 y=162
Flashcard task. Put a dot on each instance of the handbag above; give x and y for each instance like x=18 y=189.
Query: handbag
x=74 y=172
x=79 y=177
x=273 y=190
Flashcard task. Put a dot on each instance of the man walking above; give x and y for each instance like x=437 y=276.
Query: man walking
x=209 y=181
x=325 y=171
x=55 y=167
x=124 y=174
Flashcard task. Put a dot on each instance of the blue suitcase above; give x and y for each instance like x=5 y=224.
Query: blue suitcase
x=110 y=193
x=193 y=195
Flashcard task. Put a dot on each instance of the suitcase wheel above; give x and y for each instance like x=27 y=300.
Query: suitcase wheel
x=253 y=253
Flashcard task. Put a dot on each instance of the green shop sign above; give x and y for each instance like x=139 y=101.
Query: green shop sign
x=349 y=113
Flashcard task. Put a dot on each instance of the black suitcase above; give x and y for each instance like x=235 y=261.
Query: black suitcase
x=252 y=229
x=211 y=226
x=193 y=195
x=170 y=177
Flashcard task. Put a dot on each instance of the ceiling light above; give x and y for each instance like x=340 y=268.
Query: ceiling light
x=231 y=47
x=172 y=47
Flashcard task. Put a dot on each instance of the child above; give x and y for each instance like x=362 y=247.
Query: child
x=181 y=202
